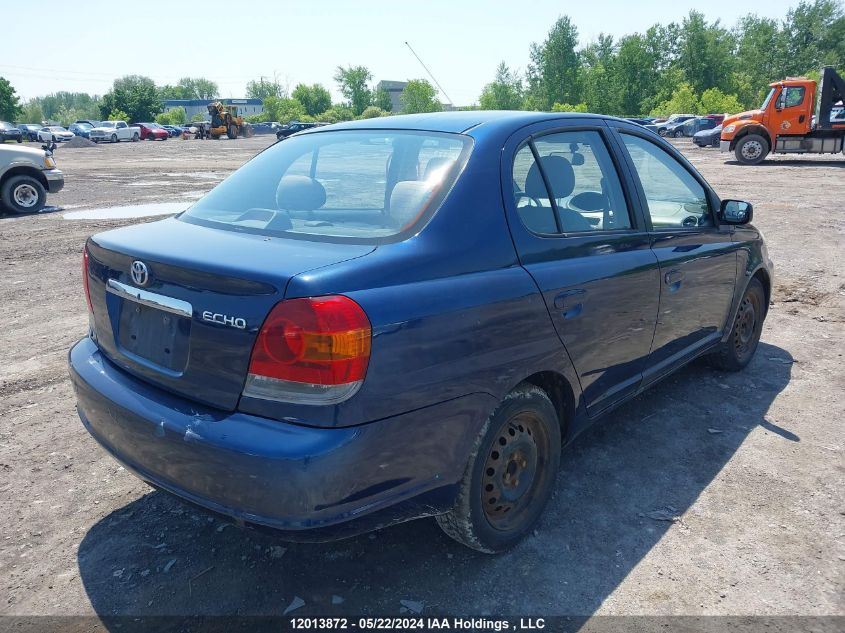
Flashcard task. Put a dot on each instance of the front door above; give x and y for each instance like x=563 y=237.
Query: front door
x=697 y=256
x=579 y=237
x=791 y=115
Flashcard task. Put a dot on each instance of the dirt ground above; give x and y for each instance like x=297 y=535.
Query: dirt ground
x=712 y=494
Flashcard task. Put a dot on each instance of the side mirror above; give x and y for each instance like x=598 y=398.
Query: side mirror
x=736 y=212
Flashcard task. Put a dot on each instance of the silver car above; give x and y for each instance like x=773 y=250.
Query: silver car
x=26 y=175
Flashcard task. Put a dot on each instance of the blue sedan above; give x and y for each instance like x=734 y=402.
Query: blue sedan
x=392 y=318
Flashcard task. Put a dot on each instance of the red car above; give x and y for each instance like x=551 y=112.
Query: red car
x=153 y=131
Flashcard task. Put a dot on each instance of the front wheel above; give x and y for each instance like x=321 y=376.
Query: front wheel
x=751 y=149
x=53 y=139
x=678 y=133
x=23 y=194
x=662 y=131
x=735 y=353
x=136 y=137
x=114 y=138
x=510 y=474
x=232 y=132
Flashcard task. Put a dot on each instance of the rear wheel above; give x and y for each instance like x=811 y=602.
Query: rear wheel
x=20 y=139
x=735 y=353
x=679 y=133
x=23 y=194
x=232 y=131
x=510 y=474
x=114 y=138
x=136 y=137
x=53 y=138
x=662 y=131
x=751 y=149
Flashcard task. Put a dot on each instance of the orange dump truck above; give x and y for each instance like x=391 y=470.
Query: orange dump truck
x=793 y=119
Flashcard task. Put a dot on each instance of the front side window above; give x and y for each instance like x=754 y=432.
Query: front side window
x=583 y=180
x=793 y=96
x=367 y=184
x=675 y=198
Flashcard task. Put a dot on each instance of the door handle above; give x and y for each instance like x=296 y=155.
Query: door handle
x=673 y=279
x=571 y=302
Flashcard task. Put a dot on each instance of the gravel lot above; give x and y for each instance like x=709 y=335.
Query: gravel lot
x=716 y=494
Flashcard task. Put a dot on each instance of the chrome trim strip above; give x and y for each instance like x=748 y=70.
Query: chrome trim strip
x=147 y=298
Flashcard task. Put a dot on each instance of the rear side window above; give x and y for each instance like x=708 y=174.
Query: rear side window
x=584 y=185
x=675 y=198
x=367 y=184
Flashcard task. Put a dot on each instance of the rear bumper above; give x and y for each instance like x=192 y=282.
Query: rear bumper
x=313 y=483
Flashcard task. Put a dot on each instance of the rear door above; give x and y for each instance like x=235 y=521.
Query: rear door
x=578 y=233
x=697 y=256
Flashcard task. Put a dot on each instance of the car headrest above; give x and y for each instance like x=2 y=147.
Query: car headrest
x=437 y=164
x=560 y=174
x=408 y=199
x=300 y=193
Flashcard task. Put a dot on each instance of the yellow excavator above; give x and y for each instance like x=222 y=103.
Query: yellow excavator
x=226 y=120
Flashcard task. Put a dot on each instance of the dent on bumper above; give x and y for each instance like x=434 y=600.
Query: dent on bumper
x=271 y=473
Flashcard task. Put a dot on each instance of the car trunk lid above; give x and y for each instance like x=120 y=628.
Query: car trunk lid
x=188 y=318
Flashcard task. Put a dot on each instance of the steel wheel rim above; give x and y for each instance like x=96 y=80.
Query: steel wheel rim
x=752 y=149
x=25 y=196
x=512 y=471
x=745 y=328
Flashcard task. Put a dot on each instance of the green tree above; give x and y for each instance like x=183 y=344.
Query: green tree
x=199 y=88
x=635 y=73
x=553 y=73
x=705 y=53
x=568 y=107
x=336 y=114
x=175 y=116
x=134 y=95
x=419 y=96
x=809 y=30
x=683 y=101
x=599 y=77
x=283 y=109
x=373 y=112
x=10 y=107
x=504 y=92
x=714 y=101
x=314 y=98
x=354 y=84
x=382 y=100
x=31 y=112
x=263 y=88
x=118 y=115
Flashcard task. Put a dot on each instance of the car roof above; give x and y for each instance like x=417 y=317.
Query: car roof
x=462 y=121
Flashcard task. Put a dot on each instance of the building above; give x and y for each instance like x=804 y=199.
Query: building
x=394 y=89
x=192 y=107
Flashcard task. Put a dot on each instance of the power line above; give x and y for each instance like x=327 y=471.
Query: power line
x=430 y=74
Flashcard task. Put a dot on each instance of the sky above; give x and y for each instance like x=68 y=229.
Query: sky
x=87 y=43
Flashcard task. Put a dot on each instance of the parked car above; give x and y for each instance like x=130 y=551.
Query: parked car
x=90 y=122
x=410 y=316
x=692 y=126
x=152 y=131
x=114 y=131
x=30 y=131
x=26 y=175
x=708 y=138
x=641 y=120
x=663 y=127
x=266 y=127
x=293 y=127
x=9 y=132
x=172 y=130
x=81 y=128
x=55 y=134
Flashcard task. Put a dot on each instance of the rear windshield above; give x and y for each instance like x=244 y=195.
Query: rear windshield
x=362 y=185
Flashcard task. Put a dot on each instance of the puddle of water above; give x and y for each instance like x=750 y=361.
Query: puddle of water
x=133 y=211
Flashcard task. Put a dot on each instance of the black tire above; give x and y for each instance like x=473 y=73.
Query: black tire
x=679 y=133
x=136 y=137
x=150 y=137
x=737 y=351
x=20 y=139
x=114 y=138
x=661 y=131
x=232 y=132
x=510 y=474
x=23 y=194
x=54 y=138
x=751 y=149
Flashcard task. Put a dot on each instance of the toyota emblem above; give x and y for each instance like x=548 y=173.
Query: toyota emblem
x=140 y=273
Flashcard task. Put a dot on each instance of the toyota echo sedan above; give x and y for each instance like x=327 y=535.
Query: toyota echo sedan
x=387 y=319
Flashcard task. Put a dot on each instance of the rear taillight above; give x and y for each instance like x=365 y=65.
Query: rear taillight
x=310 y=351
x=85 y=279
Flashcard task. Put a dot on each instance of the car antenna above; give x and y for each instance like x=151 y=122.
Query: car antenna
x=437 y=83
